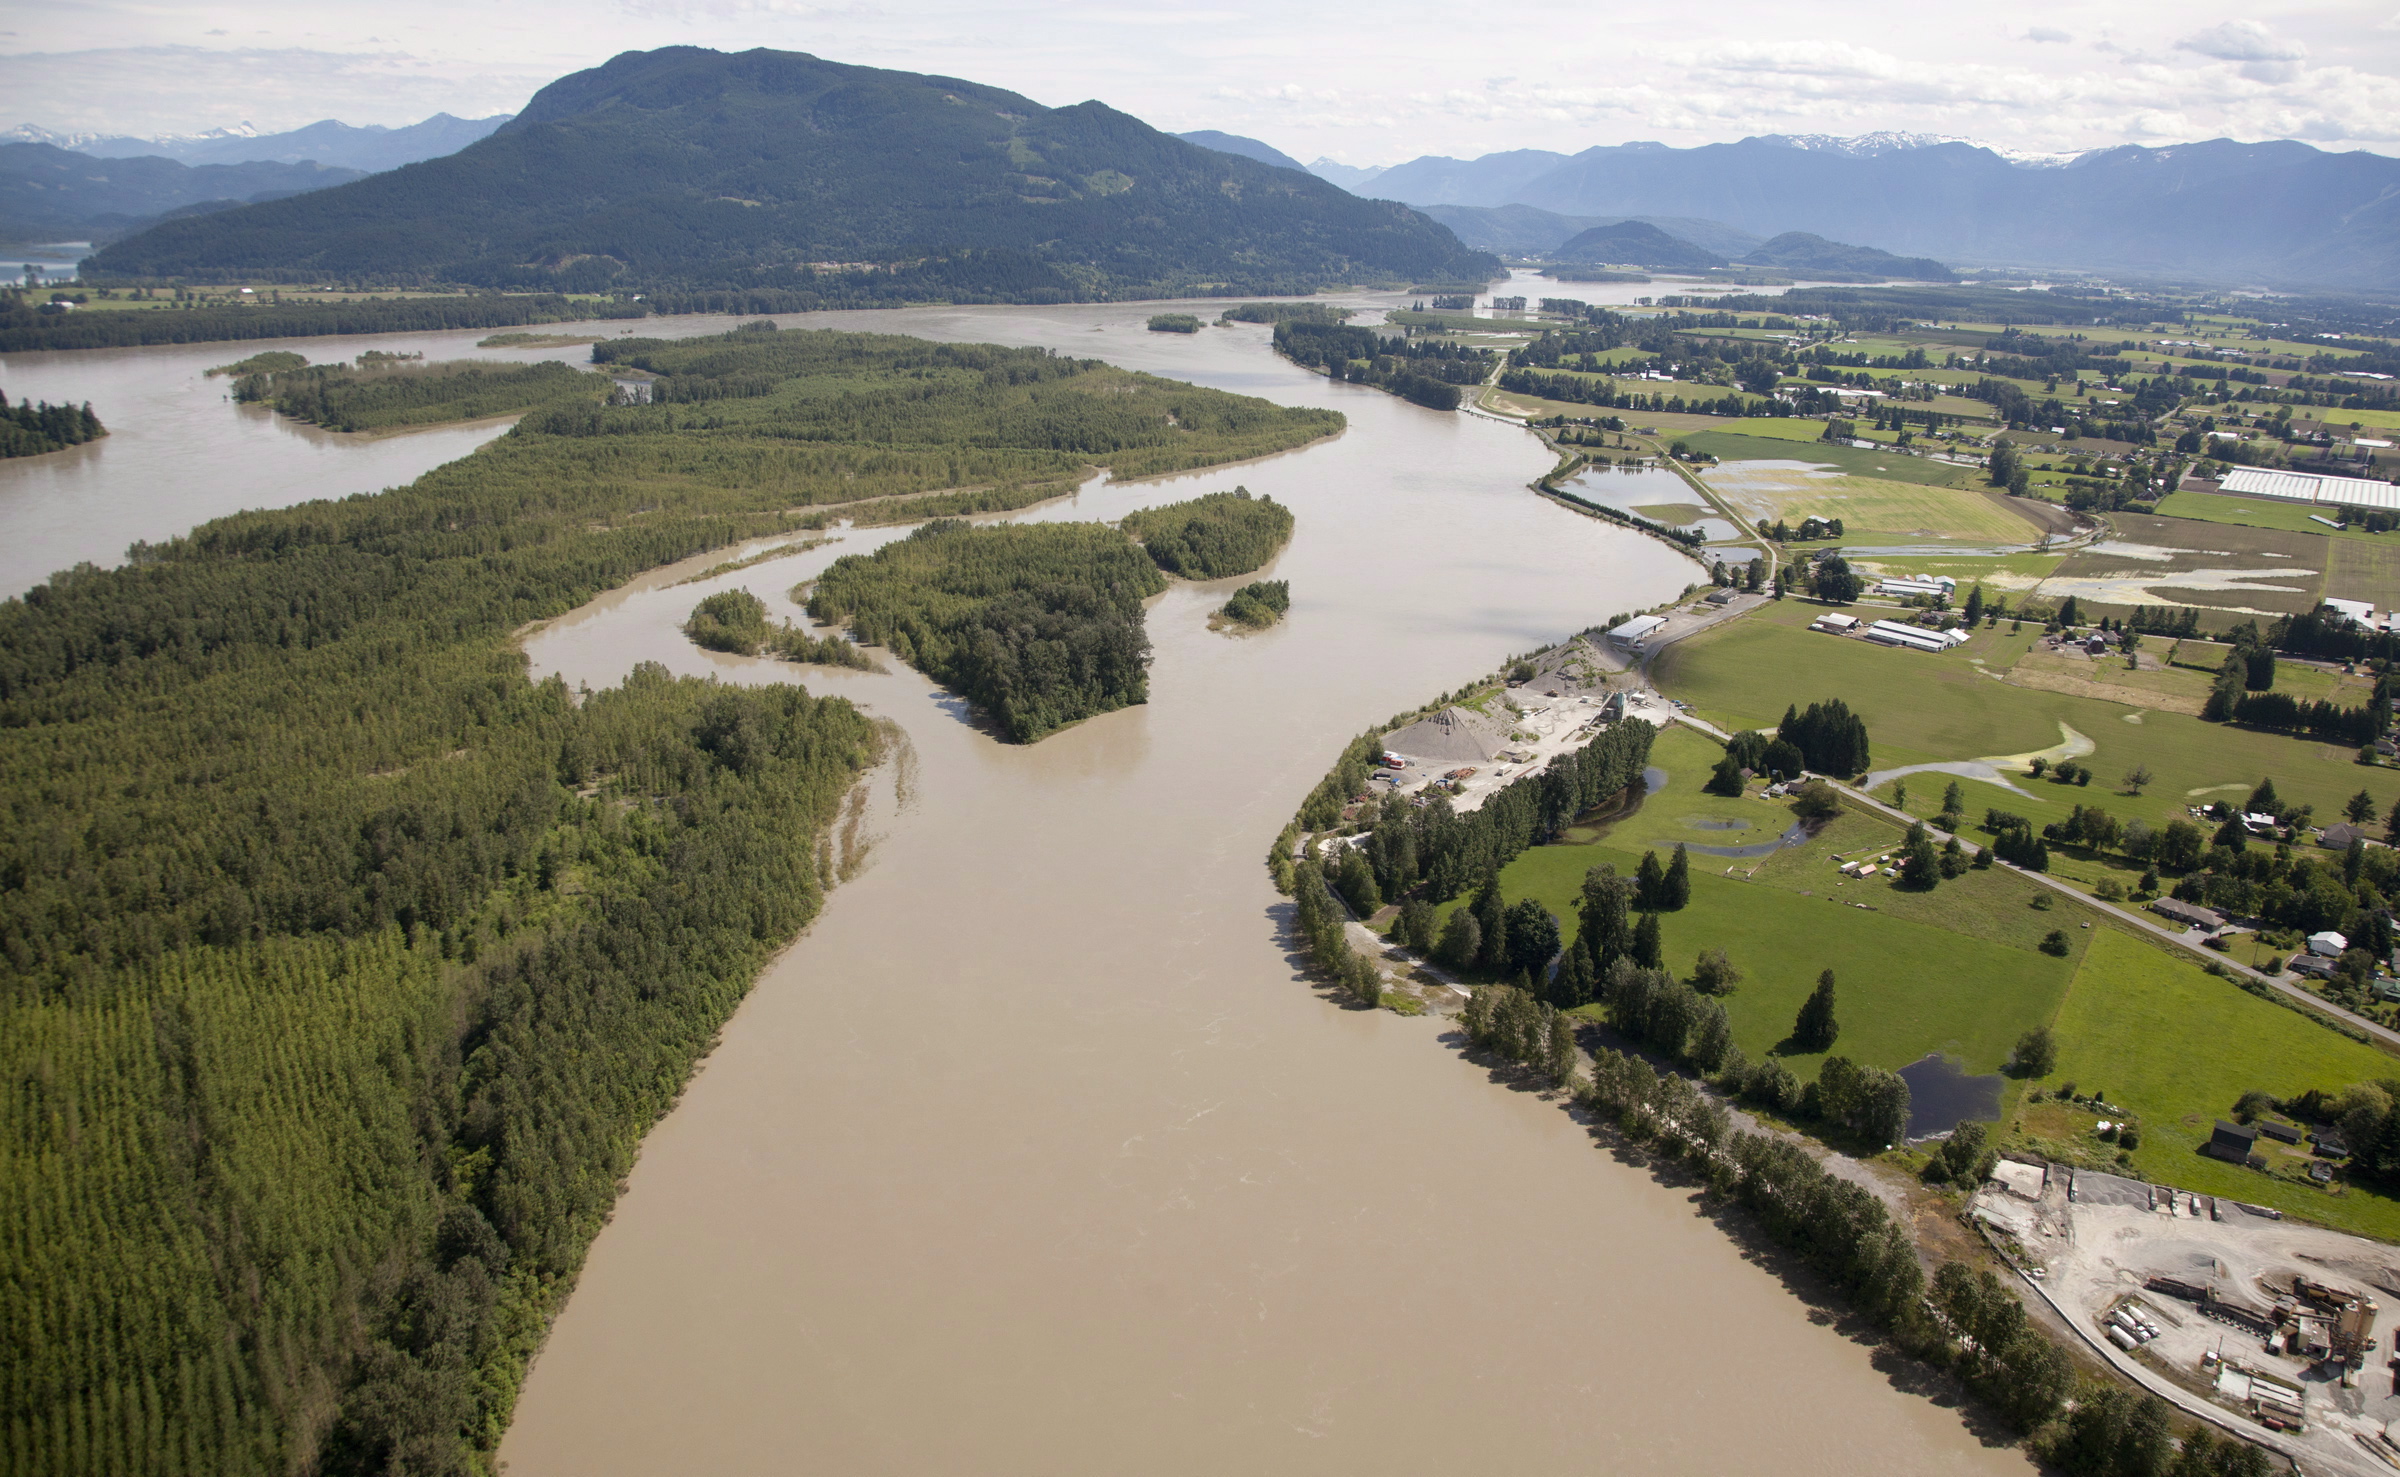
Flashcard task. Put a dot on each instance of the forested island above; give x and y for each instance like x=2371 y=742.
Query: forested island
x=1425 y=372
x=1039 y=624
x=30 y=428
x=329 y=1068
x=736 y=621
x=383 y=395
x=1257 y=605
x=1213 y=537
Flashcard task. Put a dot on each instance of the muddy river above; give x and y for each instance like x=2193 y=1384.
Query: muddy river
x=1037 y=1155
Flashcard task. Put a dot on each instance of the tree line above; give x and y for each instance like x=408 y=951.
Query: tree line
x=367 y=398
x=30 y=428
x=22 y=330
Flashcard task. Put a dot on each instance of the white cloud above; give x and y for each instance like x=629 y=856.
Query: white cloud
x=1373 y=88
x=2242 y=41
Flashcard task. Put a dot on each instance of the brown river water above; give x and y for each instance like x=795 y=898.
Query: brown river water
x=1037 y=1154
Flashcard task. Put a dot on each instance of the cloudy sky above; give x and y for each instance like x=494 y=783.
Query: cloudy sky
x=1364 y=83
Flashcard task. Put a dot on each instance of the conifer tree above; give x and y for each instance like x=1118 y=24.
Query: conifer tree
x=1649 y=886
x=1646 y=946
x=1815 y=1028
x=1675 y=889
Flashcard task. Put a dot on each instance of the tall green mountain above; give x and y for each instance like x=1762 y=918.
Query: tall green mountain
x=697 y=169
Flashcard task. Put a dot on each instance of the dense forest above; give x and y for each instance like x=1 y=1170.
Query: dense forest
x=736 y=621
x=690 y=169
x=1213 y=537
x=1038 y=624
x=22 y=329
x=370 y=398
x=28 y=428
x=342 y=968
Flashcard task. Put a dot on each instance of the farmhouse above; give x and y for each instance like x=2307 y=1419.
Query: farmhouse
x=2339 y=836
x=2327 y=945
x=2231 y=1142
x=2191 y=914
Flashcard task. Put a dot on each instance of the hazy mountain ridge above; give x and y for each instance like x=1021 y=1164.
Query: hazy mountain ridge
x=49 y=193
x=695 y=167
x=369 y=147
x=1247 y=148
x=2280 y=213
x=1526 y=230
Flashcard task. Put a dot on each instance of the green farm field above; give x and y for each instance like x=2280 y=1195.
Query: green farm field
x=1891 y=466
x=1909 y=980
x=2177 y=1046
x=1873 y=509
x=1923 y=708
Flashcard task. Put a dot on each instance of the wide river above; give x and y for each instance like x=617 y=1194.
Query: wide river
x=1037 y=1155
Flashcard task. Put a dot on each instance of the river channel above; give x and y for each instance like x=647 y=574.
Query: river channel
x=1036 y=1154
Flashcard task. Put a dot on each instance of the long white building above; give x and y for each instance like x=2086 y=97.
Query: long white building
x=2312 y=487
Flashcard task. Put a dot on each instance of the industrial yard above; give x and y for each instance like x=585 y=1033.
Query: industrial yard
x=2284 y=1330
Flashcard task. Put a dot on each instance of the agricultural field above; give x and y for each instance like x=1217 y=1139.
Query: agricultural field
x=1908 y=982
x=1873 y=509
x=1923 y=708
x=2175 y=1045
x=2010 y=573
x=2176 y=561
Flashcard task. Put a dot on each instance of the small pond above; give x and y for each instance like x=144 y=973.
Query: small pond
x=1941 y=1094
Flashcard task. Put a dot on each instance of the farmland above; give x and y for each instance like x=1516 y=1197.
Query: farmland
x=1907 y=985
x=1873 y=509
x=1923 y=708
x=2248 y=512
x=2164 y=1039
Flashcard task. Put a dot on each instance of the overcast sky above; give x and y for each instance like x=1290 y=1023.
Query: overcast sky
x=1365 y=83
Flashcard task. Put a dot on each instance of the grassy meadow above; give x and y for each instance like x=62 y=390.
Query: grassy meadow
x=2175 y=1045
x=1923 y=708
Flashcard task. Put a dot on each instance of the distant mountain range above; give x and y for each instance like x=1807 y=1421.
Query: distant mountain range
x=53 y=194
x=2275 y=214
x=1349 y=177
x=1524 y=230
x=369 y=147
x=697 y=169
x=1248 y=148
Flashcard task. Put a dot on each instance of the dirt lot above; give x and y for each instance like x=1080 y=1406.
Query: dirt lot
x=2097 y=1240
